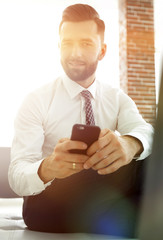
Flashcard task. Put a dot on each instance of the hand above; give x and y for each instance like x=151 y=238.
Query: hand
x=111 y=152
x=60 y=163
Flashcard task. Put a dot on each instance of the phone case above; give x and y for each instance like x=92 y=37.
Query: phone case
x=84 y=133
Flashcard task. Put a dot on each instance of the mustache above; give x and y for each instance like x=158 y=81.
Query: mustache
x=75 y=61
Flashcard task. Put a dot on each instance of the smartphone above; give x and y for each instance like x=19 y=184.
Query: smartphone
x=84 y=133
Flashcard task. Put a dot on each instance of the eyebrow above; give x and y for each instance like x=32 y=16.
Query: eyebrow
x=81 y=40
x=87 y=40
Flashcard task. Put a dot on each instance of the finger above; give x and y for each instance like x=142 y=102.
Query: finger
x=74 y=166
x=112 y=167
x=97 y=157
x=101 y=143
x=65 y=169
x=63 y=140
x=71 y=145
x=68 y=157
x=106 y=161
x=67 y=144
x=78 y=158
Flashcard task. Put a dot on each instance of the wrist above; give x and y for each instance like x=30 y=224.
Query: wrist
x=44 y=172
x=134 y=144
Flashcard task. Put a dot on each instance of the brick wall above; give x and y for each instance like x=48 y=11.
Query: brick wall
x=137 y=66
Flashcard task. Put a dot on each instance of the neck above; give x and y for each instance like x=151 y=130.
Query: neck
x=86 y=83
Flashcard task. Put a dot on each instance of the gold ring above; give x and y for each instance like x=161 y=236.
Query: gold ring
x=73 y=165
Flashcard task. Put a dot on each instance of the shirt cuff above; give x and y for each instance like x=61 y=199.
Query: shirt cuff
x=146 y=146
x=34 y=182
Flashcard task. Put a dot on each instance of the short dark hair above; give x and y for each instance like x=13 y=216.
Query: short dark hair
x=83 y=12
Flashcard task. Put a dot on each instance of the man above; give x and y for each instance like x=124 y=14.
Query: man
x=67 y=192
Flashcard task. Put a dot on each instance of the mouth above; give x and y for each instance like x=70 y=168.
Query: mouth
x=76 y=64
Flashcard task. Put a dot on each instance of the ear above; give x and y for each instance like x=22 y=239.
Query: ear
x=102 y=52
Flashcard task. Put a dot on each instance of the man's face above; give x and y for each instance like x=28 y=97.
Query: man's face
x=81 y=48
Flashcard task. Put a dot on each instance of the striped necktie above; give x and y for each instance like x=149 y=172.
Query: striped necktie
x=88 y=108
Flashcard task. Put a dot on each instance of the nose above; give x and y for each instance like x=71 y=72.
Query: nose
x=76 y=50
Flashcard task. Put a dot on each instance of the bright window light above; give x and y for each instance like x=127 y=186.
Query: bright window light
x=29 y=54
x=158 y=16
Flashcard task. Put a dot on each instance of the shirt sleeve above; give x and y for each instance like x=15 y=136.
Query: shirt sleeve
x=26 y=151
x=130 y=122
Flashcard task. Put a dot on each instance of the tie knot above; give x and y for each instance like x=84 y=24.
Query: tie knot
x=86 y=94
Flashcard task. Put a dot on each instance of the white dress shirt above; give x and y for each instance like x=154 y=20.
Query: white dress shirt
x=48 y=115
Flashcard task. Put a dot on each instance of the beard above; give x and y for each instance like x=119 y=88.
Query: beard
x=81 y=73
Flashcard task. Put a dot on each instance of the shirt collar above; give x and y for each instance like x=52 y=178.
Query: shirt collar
x=74 y=88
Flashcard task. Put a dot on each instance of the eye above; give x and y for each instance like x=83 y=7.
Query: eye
x=86 y=43
x=66 y=43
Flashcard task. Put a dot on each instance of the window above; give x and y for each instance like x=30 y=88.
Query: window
x=29 y=55
x=158 y=17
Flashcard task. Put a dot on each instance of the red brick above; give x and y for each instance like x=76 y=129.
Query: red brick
x=138 y=54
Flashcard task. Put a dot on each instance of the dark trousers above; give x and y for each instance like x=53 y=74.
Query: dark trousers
x=88 y=203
